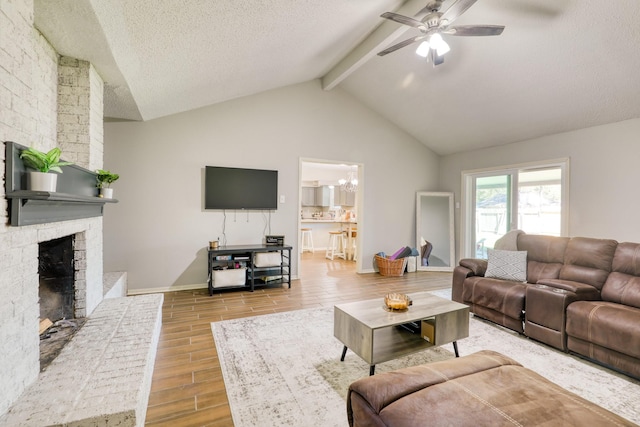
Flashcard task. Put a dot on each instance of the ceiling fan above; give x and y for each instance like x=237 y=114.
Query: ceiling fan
x=432 y=24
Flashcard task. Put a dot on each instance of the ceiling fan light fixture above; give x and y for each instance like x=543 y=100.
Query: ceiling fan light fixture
x=443 y=48
x=438 y=44
x=431 y=22
x=423 y=49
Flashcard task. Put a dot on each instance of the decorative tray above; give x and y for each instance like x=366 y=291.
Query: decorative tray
x=397 y=302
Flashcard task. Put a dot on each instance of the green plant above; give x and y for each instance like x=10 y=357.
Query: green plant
x=105 y=178
x=43 y=162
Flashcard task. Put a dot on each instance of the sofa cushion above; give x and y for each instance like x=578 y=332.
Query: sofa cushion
x=588 y=260
x=537 y=271
x=545 y=255
x=549 y=249
x=482 y=389
x=507 y=265
x=627 y=259
x=622 y=289
x=503 y=296
x=607 y=324
x=623 y=284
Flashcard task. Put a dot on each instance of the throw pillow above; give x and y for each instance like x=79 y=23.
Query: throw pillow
x=507 y=265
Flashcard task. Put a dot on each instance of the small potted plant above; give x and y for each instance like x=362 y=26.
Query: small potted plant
x=105 y=178
x=42 y=179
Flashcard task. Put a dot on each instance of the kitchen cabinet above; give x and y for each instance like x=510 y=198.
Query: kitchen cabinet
x=344 y=198
x=308 y=196
x=323 y=194
x=316 y=196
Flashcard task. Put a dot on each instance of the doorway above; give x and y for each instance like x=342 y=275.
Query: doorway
x=330 y=203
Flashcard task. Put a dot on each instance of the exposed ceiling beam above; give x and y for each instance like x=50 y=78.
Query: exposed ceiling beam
x=379 y=39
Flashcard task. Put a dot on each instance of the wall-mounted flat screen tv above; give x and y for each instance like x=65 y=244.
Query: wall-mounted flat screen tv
x=236 y=188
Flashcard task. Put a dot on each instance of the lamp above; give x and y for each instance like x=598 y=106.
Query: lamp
x=436 y=42
x=350 y=184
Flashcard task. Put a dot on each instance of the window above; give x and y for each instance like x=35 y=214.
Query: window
x=531 y=197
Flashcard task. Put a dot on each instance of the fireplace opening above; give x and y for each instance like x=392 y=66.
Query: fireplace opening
x=55 y=268
x=57 y=297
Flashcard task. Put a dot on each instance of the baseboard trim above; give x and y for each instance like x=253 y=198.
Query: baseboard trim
x=174 y=288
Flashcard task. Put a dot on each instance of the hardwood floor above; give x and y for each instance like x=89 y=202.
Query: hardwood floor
x=188 y=388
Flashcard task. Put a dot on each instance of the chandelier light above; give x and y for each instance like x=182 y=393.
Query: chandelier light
x=350 y=184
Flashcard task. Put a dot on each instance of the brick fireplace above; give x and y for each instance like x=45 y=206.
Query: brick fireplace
x=47 y=101
x=103 y=375
x=19 y=285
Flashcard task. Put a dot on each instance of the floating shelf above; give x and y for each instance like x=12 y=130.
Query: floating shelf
x=77 y=198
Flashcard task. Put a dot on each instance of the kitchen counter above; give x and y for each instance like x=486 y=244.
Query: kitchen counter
x=313 y=221
x=320 y=229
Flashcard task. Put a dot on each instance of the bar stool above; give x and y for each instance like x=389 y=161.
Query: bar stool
x=352 y=248
x=336 y=247
x=306 y=237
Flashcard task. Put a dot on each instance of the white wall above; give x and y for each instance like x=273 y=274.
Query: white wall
x=604 y=175
x=158 y=232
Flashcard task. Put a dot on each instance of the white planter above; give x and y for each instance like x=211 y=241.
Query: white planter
x=41 y=181
x=106 y=193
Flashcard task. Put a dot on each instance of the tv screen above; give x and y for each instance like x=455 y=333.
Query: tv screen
x=236 y=188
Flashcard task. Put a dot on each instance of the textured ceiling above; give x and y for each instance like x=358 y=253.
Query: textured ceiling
x=559 y=65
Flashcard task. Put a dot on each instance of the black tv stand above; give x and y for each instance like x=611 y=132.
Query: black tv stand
x=233 y=255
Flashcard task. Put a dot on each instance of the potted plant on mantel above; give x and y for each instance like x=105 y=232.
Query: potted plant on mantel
x=105 y=178
x=42 y=179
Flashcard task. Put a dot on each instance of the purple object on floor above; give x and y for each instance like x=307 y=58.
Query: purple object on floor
x=401 y=253
x=395 y=255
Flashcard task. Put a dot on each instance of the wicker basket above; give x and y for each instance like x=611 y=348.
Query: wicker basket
x=391 y=267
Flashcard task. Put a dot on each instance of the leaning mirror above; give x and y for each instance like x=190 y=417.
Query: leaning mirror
x=435 y=231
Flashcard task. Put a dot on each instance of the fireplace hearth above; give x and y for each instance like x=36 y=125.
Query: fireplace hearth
x=53 y=340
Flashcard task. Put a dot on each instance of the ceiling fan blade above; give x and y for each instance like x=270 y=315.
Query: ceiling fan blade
x=456 y=9
x=405 y=20
x=475 y=30
x=400 y=45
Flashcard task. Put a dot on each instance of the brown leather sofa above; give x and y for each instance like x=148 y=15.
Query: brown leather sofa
x=581 y=295
x=483 y=389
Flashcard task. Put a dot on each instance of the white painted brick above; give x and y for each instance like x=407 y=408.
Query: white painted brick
x=29 y=93
x=101 y=396
x=26 y=236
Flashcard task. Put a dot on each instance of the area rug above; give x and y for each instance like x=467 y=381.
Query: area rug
x=284 y=369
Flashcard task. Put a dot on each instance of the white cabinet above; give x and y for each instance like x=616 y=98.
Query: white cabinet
x=316 y=196
x=323 y=196
x=344 y=198
x=308 y=196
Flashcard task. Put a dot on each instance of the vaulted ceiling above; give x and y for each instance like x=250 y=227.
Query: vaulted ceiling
x=559 y=65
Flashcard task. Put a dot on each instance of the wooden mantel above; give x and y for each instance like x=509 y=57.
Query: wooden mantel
x=77 y=195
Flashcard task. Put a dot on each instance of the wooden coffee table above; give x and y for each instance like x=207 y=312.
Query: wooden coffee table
x=374 y=333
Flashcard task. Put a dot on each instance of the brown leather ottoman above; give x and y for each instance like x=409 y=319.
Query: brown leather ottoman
x=483 y=389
